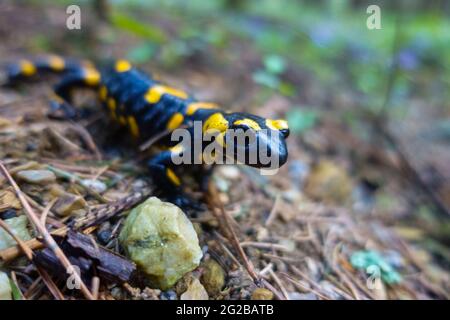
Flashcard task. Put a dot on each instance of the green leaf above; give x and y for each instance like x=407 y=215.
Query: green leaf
x=141 y=53
x=267 y=79
x=143 y=30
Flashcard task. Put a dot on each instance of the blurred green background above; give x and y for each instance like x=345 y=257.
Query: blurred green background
x=280 y=44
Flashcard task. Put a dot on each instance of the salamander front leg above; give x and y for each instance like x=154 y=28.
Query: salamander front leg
x=166 y=179
x=61 y=104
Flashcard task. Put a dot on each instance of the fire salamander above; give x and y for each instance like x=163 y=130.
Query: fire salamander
x=148 y=107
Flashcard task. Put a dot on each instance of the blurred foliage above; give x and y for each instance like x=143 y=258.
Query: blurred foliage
x=366 y=260
x=301 y=120
x=146 y=31
x=327 y=40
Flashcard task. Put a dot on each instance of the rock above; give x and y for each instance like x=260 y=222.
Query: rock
x=195 y=292
x=262 y=233
x=117 y=293
x=8 y=200
x=262 y=294
x=222 y=184
x=41 y=177
x=230 y=172
x=18 y=226
x=161 y=240
x=168 y=295
x=95 y=185
x=288 y=244
x=213 y=277
x=104 y=236
x=328 y=183
x=68 y=204
x=150 y=294
x=5 y=287
x=183 y=284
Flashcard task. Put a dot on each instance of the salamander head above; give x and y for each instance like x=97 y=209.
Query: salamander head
x=250 y=139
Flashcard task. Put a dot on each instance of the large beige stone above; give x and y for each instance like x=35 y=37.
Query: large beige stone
x=213 y=277
x=329 y=183
x=41 y=177
x=195 y=291
x=162 y=242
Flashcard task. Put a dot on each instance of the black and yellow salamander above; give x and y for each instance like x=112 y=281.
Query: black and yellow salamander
x=148 y=107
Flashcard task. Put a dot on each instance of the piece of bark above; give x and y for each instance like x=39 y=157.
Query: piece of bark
x=92 y=259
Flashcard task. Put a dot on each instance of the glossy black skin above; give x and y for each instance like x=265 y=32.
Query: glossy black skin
x=128 y=89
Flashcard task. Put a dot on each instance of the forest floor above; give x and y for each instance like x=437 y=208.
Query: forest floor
x=345 y=218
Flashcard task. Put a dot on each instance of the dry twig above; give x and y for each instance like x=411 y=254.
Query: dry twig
x=48 y=239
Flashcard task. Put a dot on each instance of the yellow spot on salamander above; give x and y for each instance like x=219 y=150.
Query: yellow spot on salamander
x=91 y=76
x=122 y=66
x=177 y=149
x=175 y=121
x=215 y=121
x=27 y=68
x=112 y=107
x=173 y=177
x=155 y=93
x=249 y=123
x=277 y=124
x=133 y=126
x=103 y=93
x=122 y=120
x=194 y=106
x=56 y=63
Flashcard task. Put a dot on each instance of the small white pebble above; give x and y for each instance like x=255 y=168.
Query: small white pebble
x=95 y=185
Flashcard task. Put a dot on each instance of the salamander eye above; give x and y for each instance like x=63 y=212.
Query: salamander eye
x=285 y=132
